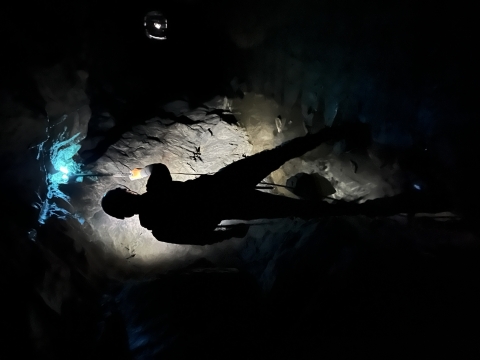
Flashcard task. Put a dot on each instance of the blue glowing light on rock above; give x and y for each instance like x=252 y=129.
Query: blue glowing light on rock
x=60 y=154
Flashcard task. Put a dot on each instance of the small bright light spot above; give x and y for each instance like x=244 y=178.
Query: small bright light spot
x=157 y=25
x=64 y=177
x=416 y=186
x=63 y=169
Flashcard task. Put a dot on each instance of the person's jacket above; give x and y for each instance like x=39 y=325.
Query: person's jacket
x=184 y=212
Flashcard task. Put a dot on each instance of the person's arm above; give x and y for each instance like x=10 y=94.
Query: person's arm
x=186 y=235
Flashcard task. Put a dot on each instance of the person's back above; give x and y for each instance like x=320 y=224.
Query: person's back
x=183 y=212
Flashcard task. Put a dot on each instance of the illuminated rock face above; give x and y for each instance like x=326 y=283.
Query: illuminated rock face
x=353 y=174
x=201 y=148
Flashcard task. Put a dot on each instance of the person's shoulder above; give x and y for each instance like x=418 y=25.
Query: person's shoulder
x=157 y=166
x=159 y=170
x=159 y=178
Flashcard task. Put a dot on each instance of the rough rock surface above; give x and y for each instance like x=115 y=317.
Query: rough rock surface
x=200 y=148
x=367 y=179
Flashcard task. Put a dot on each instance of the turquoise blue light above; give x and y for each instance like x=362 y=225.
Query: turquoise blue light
x=61 y=155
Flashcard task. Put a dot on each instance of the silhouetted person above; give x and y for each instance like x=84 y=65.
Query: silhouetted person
x=189 y=212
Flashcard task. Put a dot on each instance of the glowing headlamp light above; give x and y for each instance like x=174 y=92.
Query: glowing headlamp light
x=64 y=170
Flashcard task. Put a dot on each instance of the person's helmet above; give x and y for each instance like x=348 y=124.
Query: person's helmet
x=119 y=203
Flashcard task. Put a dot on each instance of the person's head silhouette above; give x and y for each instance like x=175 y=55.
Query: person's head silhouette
x=120 y=203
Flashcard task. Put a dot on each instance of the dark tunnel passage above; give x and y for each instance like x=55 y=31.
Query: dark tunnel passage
x=391 y=271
